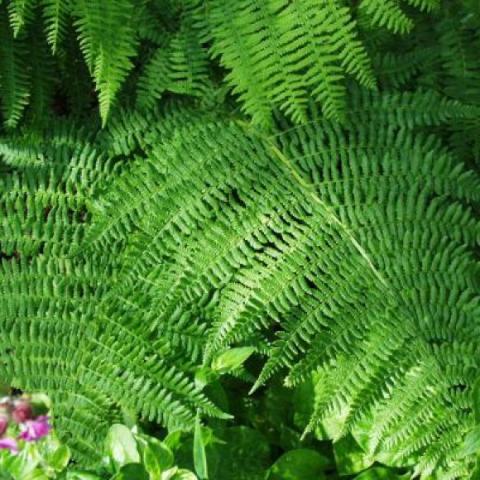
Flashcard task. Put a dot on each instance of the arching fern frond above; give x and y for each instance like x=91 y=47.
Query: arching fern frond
x=339 y=239
x=67 y=344
x=108 y=42
x=14 y=78
x=20 y=13
x=55 y=13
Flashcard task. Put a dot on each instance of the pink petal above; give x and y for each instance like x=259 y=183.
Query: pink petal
x=33 y=430
x=22 y=411
x=3 y=424
x=10 y=444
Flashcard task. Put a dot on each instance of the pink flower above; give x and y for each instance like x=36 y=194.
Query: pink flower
x=22 y=411
x=10 y=444
x=3 y=424
x=33 y=430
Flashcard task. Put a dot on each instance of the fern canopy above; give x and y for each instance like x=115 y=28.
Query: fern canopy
x=296 y=178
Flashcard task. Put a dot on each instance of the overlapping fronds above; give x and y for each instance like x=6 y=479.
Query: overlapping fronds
x=280 y=53
x=179 y=65
x=332 y=236
x=57 y=334
x=277 y=53
x=341 y=242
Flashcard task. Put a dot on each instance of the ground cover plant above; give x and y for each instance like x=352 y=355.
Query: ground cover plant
x=246 y=229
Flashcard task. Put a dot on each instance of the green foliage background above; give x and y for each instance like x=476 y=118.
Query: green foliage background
x=295 y=178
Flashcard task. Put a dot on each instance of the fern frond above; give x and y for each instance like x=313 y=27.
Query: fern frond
x=154 y=80
x=188 y=63
x=266 y=46
x=107 y=40
x=395 y=70
x=180 y=66
x=42 y=74
x=426 y=5
x=103 y=361
x=20 y=13
x=55 y=14
x=420 y=108
x=14 y=79
x=386 y=13
x=229 y=241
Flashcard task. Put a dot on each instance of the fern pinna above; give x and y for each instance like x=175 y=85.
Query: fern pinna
x=296 y=177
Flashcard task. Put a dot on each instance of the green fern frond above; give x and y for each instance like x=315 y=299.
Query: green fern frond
x=55 y=14
x=60 y=294
x=180 y=66
x=333 y=228
x=188 y=63
x=20 y=13
x=421 y=108
x=395 y=70
x=42 y=74
x=425 y=5
x=461 y=68
x=267 y=45
x=14 y=78
x=154 y=80
x=107 y=40
x=386 y=13
x=230 y=241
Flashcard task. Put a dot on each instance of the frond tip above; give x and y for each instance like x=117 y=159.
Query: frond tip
x=108 y=41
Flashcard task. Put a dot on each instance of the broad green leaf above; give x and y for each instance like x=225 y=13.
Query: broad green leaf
x=157 y=457
x=132 y=471
x=471 y=444
x=173 y=440
x=379 y=473
x=176 y=473
x=59 y=459
x=183 y=474
x=78 y=475
x=231 y=359
x=199 y=455
x=25 y=463
x=121 y=445
x=168 y=474
x=36 y=474
x=203 y=376
x=300 y=464
x=349 y=457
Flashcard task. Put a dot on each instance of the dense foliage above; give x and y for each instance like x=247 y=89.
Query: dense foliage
x=255 y=220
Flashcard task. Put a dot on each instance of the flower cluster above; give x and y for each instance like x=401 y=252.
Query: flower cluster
x=19 y=420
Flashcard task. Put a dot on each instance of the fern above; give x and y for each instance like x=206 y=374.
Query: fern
x=55 y=13
x=222 y=248
x=14 y=80
x=297 y=178
x=60 y=297
x=267 y=45
x=386 y=14
x=179 y=66
x=20 y=13
x=107 y=41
